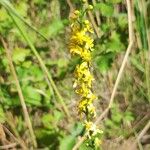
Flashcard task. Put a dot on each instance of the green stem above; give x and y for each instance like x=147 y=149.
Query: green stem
x=26 y=37
x=9 y=7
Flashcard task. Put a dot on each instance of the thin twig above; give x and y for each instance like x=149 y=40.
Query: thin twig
x=22 y=100
x=10 y=10
x=97 y=14
x=12 y=145
x=142 y=133
x=145 y=129
x=91 y=17
x=42 y=65
x=130 y=28
x=19 y=141
x=125 y=59
x=70 y=5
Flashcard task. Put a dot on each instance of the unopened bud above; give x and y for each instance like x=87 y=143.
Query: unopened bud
x=77 y=12
x=86 y=22
x=90 y=7
x=84 y=1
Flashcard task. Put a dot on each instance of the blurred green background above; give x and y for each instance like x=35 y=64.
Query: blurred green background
x=36 y=33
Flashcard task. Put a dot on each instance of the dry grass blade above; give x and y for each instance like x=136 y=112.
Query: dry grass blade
x=22 y=100
x=12 y=145
x=16 y=139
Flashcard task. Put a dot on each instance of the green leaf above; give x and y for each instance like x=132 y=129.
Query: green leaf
x=3 y=15
x=115 y=44
x=47 y=119
x=27 y=64
x=122 y=20
x=67 y=143
x=58 y=116
x=22 y=8
x=109 y=123
x=137 y=64
x=106 y=9
x=48 y=138
x=117 y=117
x=36 y=72
x=128 y=116
x=104 y=62
x=19 y=54
x=115 y=1
x=53 y=29
x=77 y=130
x=32 y=97
x=2 y=115
x=39 y=2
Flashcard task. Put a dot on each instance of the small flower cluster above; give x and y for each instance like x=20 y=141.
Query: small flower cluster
x=81 y=44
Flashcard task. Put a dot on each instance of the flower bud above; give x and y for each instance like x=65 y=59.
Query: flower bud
x=90 y=7
x=84 y=1
x=76 y=12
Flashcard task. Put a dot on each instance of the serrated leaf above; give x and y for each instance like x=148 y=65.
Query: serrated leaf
x=122 y=21
x=32 y=97
x=115 y=44
x=19 y=54
x=67 y=143
x=104 y=62
x=105 y=9
x=47 y=120
x=52 y=29
x=22 y=8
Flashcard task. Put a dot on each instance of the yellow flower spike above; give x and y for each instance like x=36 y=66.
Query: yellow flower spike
x=81 y=44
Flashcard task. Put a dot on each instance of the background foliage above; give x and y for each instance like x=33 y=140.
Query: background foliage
x=40 y=28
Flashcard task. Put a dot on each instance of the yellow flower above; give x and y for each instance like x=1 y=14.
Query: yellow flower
x=91 y=96
x=81 y=70
x=78 y=37
x=91 y=110
x=81 y=44
x=75 y=49
x=88 y=26
x=92 y=129
x=83 y=90
x=77 y=12
x=82 y=105
x=88 y=43
x=97 y=142
x=86 y=55
x=82 y=73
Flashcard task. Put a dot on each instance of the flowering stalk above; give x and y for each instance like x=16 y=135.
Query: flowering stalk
x=81 y=44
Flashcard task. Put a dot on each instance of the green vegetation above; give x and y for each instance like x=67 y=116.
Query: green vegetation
x=38 y=106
